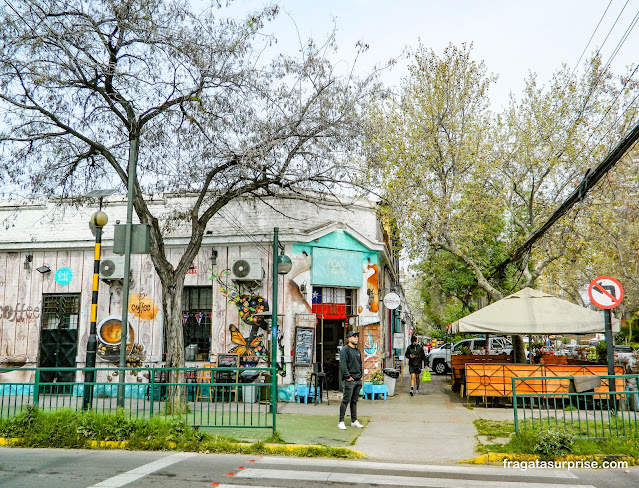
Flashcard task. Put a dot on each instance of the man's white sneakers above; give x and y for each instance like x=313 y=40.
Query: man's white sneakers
x=341 y=426
x=356 y=424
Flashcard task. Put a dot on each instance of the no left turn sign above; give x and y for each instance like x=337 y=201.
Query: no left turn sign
x=605 y=292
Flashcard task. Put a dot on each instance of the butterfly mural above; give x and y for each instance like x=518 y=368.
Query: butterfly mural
x=248 y=349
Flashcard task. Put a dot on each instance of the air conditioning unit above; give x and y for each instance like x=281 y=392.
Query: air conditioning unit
x=112 y=268
x=247 y=269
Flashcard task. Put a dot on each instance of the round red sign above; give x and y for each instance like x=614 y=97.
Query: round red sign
x=605 y=292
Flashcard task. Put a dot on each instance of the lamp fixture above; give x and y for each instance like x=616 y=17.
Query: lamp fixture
x=213 y=257
x=43 y=269
x=303 y=290
x=27 y=261
x=284 y=264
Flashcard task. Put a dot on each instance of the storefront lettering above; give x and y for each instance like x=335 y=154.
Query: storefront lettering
x=336 y=267
x=21 y=313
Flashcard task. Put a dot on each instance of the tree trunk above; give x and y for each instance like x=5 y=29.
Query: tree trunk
x=172 y=308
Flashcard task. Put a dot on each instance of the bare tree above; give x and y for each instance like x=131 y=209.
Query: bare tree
x=194 y=100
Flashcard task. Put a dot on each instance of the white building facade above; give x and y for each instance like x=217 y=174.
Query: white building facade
x=343 y=265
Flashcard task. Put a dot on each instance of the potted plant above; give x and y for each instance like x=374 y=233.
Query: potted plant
x=377 y=378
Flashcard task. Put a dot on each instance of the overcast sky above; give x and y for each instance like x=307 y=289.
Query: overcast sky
x=513 y=37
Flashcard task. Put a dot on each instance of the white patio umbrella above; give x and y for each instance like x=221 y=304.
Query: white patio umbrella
x=532 y=312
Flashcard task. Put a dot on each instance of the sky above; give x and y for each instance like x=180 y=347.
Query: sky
x=512 y=37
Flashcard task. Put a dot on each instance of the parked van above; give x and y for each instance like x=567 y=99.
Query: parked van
x=439 y=360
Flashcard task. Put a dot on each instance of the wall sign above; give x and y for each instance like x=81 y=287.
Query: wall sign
x=304 y=346
x=392 y=301
x=63 y=276
x=333 y=267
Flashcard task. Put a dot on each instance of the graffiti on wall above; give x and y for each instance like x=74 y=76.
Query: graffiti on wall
x=372 y=288
x=372 y=347
x=21 y=313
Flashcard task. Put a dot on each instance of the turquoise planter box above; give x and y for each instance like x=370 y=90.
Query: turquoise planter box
x=371 y=390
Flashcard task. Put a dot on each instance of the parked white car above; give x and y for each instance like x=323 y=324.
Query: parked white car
x=439 y=360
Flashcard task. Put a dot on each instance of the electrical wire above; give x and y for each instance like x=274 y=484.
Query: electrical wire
x=589 y=41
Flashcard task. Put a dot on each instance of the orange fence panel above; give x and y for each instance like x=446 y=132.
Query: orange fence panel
x=493 y=379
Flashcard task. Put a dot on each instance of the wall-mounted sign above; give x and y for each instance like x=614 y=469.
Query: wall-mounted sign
x=398 y=340
x=304 y=345
x=63 y=276
x=332 y=267
x=392 y=301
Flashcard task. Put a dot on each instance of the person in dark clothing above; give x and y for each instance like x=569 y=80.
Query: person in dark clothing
x=350 y=368
x=416 y=358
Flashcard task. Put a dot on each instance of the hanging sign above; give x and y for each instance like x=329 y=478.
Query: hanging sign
x=63 y=276
x=605 y=292
x=392 y=301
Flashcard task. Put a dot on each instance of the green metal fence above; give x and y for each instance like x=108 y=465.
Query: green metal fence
x=215 y=397
x=589 y=415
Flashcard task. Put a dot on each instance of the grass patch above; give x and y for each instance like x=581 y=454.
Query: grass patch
x=494 y=428
x=549 y=440
x=72 y=429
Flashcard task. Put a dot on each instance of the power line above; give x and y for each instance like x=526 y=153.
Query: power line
x=589 y=181
x=589 y=41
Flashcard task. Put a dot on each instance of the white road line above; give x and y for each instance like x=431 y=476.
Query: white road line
x=353 y=478
x=142 y=471
x=420 y=468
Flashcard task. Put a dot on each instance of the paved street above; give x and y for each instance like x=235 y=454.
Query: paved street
x=29 y=468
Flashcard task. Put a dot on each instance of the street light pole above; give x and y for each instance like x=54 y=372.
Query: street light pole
x=133 y=161
x=274 y=328
x=98 y=220
x=281 y=265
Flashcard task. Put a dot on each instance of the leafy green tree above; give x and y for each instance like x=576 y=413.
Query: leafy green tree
x=471 y=186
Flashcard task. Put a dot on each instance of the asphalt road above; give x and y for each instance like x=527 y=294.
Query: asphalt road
x=52 y=468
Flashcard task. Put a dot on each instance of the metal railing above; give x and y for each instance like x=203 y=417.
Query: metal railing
x=596 y=414
x=214 y=397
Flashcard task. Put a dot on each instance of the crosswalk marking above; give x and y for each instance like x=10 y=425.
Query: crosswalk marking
x=142 y=471
x=379 y=479
x=420 y=468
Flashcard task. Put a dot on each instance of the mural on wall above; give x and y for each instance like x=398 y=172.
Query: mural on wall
x=372 y=288
x=109 y=335
x=251 y=348
x=372 y=347
x=10 y=369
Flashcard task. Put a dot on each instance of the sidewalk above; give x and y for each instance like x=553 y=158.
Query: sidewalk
x=435 y=426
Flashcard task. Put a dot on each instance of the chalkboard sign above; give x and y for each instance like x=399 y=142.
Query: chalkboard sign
x=228 y=360
x=397 y=362
x=304 y=345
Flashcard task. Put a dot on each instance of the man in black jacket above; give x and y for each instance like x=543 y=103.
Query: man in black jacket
x=350 y=368
x=416 y=358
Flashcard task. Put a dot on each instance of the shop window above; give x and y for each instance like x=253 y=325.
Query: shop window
x=60 y=311
x=338 y=302
x=197 y=303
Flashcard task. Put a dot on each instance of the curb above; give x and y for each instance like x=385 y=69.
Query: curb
x=496 y=457
x=292 y=449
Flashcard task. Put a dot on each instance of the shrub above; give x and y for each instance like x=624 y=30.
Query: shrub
x=552 y=443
